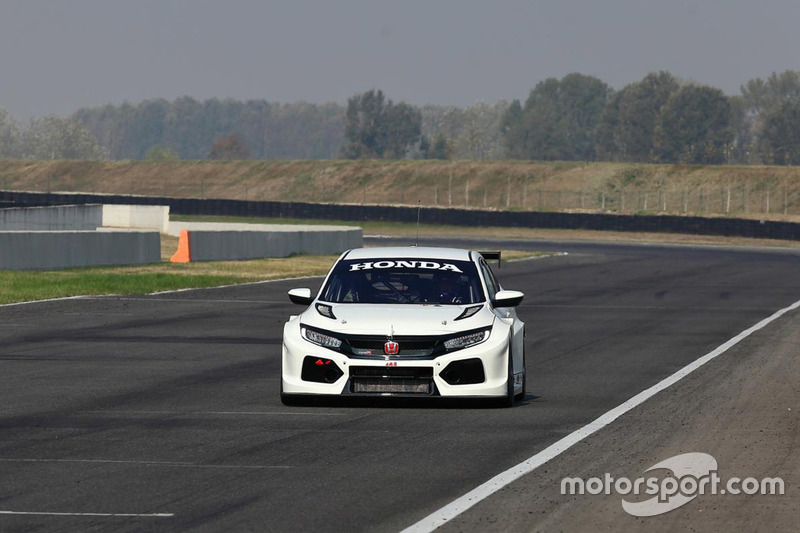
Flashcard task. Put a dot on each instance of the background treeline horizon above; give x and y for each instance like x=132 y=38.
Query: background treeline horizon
x=659 y=119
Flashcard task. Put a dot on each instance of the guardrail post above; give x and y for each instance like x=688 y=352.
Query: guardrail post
x=746 y=199
x=785 y=204
x=450 y=187
x=728 y=200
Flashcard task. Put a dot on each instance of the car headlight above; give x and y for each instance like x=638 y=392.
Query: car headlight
x=466 y=340
x=320 y=338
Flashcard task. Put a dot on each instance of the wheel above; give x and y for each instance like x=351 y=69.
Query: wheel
x=521 y=395
x=508 y=399
x=292 y=399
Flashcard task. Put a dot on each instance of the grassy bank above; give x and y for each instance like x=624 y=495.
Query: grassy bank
x=747 y=191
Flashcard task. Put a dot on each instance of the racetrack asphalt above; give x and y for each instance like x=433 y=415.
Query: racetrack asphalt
x=167 y=406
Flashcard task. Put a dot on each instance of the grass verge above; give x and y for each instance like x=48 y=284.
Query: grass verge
x=24 y=286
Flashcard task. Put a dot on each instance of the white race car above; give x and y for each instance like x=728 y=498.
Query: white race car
x=406 y=322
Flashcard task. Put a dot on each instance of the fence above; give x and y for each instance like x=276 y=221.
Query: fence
x=762 y=196
x=432 y=215
x=697 y=201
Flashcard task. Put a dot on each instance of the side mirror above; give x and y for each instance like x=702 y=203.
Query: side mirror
x=301 y=296
x=507 y=299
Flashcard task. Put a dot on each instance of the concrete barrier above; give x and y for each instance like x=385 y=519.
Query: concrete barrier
x=152 y=217
x=176 y=227
x=220 y=242
x=85 y=217
x=57 y=218
x=42 y=250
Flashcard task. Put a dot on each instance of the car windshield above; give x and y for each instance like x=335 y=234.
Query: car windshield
x=404 y=281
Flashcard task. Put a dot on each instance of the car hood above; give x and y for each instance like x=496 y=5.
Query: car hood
x=372 y=319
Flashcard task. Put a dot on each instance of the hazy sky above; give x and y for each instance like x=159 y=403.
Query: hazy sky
x=59 y=55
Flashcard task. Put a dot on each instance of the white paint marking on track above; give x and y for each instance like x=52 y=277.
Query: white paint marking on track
x=637 y=307
x=122 y=515
x=183 y=300
x=164 y=464
x=535 y=257
x=481 y=492
x=90 y=296
x=233 y=285
x=179 y=413
x=15 y=304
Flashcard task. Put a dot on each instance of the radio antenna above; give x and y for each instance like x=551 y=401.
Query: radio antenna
x=419 y=208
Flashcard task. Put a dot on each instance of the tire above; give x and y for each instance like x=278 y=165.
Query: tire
x=521 y=395
x=508 y=399
x=292 y=399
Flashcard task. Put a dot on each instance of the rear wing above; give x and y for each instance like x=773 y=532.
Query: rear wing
x=491 y=256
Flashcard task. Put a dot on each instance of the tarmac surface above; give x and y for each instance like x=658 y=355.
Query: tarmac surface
x=162 y=412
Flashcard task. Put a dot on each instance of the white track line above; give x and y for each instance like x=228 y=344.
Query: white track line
x=637 y=307
x=535 y=257
x=114 y=298
x=165 y=464
x=232 y=285
x=43 y=301
x=481 y=492
x=110 y=296
x=124 y=515
x=200 y=413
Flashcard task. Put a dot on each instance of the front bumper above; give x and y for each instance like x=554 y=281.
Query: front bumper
x=393 y=376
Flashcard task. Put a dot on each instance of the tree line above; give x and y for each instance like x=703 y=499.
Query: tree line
x=576 y=118
x=369 y=126
x=659 y=119
x=48 y=137
x=188 y=128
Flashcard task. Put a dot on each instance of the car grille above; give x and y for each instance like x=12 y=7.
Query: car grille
x=420 y=347
x=391 y=380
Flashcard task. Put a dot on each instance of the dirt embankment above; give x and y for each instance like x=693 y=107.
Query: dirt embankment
x=742 y=191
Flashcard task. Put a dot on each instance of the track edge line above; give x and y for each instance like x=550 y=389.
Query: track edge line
x=481 y=492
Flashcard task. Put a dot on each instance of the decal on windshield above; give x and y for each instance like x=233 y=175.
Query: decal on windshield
x=427 y=265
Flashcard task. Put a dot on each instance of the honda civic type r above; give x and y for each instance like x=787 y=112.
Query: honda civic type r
x=406 y=322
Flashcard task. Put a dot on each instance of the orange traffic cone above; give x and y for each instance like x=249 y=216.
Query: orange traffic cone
x=183 y=255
